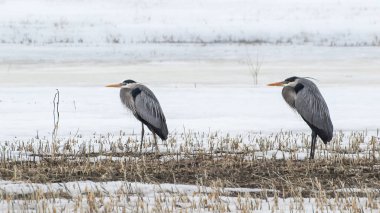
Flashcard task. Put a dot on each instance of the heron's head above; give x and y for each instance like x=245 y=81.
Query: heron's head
x=123 y=84
x=292 y=81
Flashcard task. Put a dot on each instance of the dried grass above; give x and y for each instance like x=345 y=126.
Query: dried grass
x=346 y=170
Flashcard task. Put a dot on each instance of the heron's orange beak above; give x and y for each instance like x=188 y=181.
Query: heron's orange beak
x=281 y=83
x=114 y=85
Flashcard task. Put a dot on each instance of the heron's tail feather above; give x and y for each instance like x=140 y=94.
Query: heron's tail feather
x=162 y=132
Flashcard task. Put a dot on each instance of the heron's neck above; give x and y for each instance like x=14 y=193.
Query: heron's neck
x=290 y=95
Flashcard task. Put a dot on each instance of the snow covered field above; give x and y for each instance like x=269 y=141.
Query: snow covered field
x=194 y=55
x=215 y=94
x=326 y=22
x=214 y=97
x=87 y=110
x=136 y=197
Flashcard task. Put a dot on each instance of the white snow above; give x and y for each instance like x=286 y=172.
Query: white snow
x=193 y=55
x=149 y=197
x=87 y=110
x=207 y=96
x=214 y=94
x=326 y=22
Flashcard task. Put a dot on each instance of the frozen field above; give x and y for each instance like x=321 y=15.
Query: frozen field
x=86 y=196
x=216 y=93
x=28 y=111
x=234 y=146
x=212 y=106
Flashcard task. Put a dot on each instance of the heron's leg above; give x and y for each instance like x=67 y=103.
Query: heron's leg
x=155 y=141
x=142 y=136
x=313 y=142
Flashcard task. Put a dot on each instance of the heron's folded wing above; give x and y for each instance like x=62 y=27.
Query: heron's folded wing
x=313 y=108
x=148 y=108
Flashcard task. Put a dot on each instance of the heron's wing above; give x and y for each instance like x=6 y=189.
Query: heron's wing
x=313 y=108
x=148 y=108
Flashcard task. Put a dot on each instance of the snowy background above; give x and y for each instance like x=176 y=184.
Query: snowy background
x=195 y=56
x=326 y=22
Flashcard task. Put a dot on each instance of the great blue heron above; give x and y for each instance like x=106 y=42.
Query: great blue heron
x=145 y=107
x=303 y=95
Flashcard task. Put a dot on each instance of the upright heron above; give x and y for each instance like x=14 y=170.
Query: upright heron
x=145 y=107
x=303 y=95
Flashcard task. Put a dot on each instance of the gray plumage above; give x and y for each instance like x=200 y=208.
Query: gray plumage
x=303 y=96
x=145 y=107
